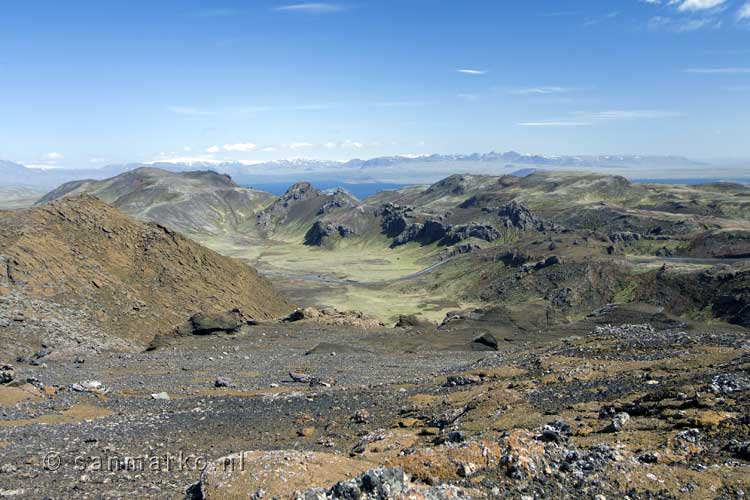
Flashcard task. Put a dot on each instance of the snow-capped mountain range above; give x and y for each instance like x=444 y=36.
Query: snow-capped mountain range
x=406 y=169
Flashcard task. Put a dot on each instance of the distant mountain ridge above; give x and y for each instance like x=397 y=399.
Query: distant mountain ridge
x=403 y=169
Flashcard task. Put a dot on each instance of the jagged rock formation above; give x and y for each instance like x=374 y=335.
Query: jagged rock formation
x=517 y=215
x=395 y=218
x=339 y=199
x=321 y=231
x=130 y=279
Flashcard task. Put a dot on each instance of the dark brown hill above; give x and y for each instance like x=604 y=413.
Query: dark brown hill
x=133 y=280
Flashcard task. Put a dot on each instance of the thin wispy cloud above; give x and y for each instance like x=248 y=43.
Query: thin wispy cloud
x=590 y=118
x=548 y=90
x=596 y=20
x=683 y=25
x=312 y=8
x=472 y=71
x=719 y=71
x=555 y=124
x=688 y=5
x=744 y=12
x=641 y=114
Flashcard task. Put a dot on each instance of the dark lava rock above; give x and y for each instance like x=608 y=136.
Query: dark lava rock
x=486 y=341
x=457 y=234
x=519 y=216
x=742 y=450
x=206 y=324
x=424 y=234
x=649 y=458
x=339 y=199
x=459 y=380
x=432 y=231
x=625 y=237
x=394 y=219
x=320 y=231
x=410 y=233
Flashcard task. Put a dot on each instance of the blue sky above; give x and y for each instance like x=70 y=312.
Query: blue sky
x=86 y=83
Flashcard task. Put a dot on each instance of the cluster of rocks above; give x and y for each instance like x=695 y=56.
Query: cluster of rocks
x=397 y=224
x=383 y=483
x=629 y=237
x=395 y=218
x=330 y=316
x=322 y=230
x=518 y=215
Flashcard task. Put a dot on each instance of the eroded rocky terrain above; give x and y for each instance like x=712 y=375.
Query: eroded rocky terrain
x=621 y=410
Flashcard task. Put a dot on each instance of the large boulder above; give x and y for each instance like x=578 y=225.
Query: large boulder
x=7 y=374
x=209 y=323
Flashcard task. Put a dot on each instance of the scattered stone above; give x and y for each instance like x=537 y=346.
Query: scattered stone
x=459 y=380
x=618 y=423
x=300 y=378
x=467 y=469
x=223 y=382
x=689 y=435
x=361 y=417
x=91 y=386
x=486 y=341
x=649 y=458
x=8 y=469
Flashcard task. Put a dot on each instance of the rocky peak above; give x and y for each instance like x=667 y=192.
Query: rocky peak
x=299 y=192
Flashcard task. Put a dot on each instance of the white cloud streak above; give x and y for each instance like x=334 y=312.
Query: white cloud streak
x=698 y=5
x=312 y=8
x=718 y=71
x=472 y=71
